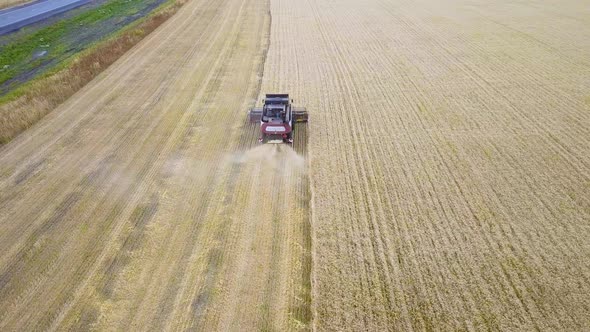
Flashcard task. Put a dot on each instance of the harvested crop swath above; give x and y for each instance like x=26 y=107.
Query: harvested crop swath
x=145 y=202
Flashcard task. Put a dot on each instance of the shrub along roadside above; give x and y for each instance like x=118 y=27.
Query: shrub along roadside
x=32 y=101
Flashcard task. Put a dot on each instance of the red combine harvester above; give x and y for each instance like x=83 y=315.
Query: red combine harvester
x=277 y=118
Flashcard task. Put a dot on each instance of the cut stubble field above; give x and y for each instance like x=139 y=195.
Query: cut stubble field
x=144 y=202
x=441 y=184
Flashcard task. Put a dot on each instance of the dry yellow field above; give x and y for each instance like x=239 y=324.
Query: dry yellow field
x=442 y=183
x=141 y=202
x=10 y=3
x=450 y=160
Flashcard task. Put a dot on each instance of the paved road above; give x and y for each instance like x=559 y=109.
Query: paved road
x=18 y=17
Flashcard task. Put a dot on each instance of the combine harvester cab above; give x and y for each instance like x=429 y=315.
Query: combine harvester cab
x=277 y=118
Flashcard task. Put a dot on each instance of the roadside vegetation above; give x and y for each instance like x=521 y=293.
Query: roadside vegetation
x=24 y=54
x=47 y=54
x=10 y=3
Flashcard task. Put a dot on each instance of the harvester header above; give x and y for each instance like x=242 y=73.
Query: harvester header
x=277 y=118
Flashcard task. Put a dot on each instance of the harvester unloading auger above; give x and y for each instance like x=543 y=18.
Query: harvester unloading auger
x=277 y=118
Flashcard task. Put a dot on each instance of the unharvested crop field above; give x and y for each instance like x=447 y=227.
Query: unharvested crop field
x=450 y=160
x=441 y=184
